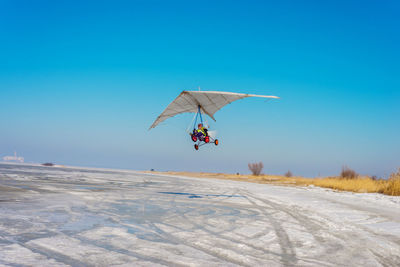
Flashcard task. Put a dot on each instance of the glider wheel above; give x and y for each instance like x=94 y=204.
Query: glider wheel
x=196 y=146
x=194 y=138
x=207 y=139
x=216 y=142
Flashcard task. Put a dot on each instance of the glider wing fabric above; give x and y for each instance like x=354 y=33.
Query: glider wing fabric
x=208 y=101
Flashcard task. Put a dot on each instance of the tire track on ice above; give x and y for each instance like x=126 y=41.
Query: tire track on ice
x=288 y=256
x=351 y=236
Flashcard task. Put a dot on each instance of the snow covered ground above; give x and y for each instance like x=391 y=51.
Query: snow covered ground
x=90 y=217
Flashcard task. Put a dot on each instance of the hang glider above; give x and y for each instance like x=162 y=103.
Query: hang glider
x=206 y=102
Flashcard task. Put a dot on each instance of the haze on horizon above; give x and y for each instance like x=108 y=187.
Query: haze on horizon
x=82 y=81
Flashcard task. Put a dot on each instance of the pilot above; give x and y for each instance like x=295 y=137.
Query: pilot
x=202 y=132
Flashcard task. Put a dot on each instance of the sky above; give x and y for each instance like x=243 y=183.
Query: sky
x=82 y=81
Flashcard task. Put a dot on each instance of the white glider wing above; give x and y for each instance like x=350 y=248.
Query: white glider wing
x=209 y=102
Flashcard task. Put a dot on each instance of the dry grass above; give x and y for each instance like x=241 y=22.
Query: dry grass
x=393 y=185
x=360 y=184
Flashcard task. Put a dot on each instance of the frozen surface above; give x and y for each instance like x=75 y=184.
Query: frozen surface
x=92 y=217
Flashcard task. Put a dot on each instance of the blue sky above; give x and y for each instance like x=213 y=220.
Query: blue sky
x=82 y=81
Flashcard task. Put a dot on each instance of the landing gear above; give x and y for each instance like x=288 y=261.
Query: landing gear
x=194 y=138
x=206 y=140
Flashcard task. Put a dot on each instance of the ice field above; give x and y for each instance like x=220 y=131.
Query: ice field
x=51 y=216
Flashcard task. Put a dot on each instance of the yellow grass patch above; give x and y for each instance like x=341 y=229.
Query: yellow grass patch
x=393 y=185
x=360 y=184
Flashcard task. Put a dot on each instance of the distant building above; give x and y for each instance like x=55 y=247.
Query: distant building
x=14 y=158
